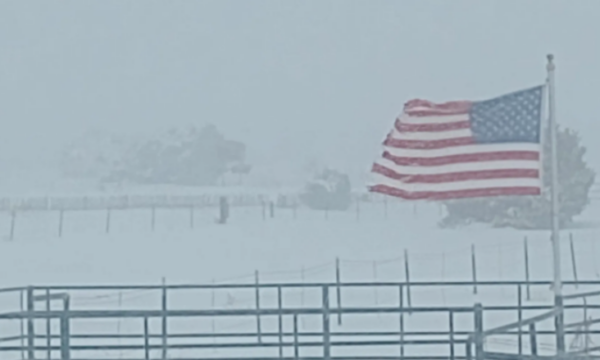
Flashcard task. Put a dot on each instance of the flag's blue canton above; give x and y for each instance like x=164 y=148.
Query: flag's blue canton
x=511 y=118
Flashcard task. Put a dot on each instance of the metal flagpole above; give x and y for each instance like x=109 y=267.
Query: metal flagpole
x=555 y=236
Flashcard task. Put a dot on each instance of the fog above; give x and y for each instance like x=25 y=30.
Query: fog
x=297 y=82
x=304 y=85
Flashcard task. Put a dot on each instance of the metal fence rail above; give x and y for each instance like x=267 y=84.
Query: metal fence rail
x=53 y=326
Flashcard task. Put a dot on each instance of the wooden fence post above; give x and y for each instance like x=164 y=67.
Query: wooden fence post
x=338 y=289
x=375 y=287
x=407 y=275
x=213 y=303
x=108 y=215
x=60 y=222
x=13 y=218
x=573 y=260
x=192 y=211
x=526 y=253
x=153 y=218
x=474 y=268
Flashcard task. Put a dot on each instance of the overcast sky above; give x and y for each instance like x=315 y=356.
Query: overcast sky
x=294 y=80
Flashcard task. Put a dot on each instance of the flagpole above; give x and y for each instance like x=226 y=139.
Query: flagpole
x=555 y=235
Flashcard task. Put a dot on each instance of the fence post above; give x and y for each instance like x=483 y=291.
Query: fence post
x=257 y=301
x=474 y=268
x=30 y=324
x=296 y=349
x=65 y=335
x=533 y=339
x=13 y=218
x=22 y=322
x=338 y=289
x=108 y=215
x=407 y=275
x=401 y=313
x=302 y=288
x=326 y=333
x=469 y=349
x=60 y=222
x=192 y=211
x=526 y=252
x=280 y=319
x=48 y=326
x=520 y=318
x=451 y=332
x=146 y=339
x=573 y=260
x=479 y=332
x=164 y=319
x=153 y=218
x=212 y=304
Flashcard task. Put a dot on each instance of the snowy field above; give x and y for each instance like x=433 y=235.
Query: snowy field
x=300 y=246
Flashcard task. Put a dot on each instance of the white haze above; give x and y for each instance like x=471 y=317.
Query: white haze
x=296 y=81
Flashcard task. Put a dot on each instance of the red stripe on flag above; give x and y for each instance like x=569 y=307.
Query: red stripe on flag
x=462 y=158
x=455 y=194
x=428 y=144
x=457 y=176
x=456 y=125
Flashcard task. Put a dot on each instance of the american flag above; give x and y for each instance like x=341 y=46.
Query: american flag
x=463 y=149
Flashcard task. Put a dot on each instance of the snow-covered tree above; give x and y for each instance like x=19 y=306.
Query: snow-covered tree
x=192 y=157
x=533 y=212
x=329 y=190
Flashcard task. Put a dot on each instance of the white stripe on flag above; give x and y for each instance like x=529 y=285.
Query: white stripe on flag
x=453 y=168
x=379 y=179
x=440 y=135
x=466 y=149
x=440 y=119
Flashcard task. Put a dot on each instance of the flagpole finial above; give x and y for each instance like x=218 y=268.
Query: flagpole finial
x=550 y=66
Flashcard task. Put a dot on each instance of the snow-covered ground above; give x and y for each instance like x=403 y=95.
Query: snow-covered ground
x=292 y=247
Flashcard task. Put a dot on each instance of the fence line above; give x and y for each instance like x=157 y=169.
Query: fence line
x=139 y=201
x=450 y=338
x=335 y=269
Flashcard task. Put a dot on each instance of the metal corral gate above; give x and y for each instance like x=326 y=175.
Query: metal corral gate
x=48 y=323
